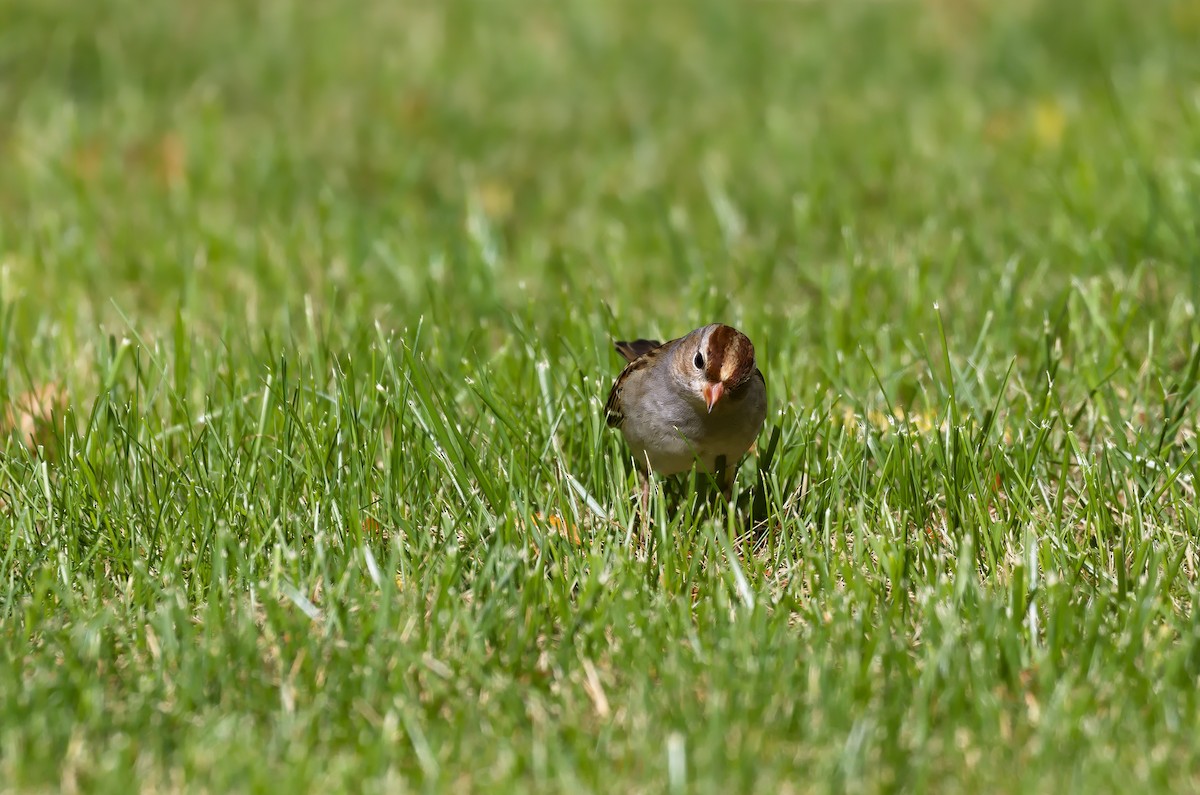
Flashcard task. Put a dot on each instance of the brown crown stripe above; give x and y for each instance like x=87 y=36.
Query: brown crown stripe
x=730 y=356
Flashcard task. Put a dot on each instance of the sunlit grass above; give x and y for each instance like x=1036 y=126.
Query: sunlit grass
x=306 y=315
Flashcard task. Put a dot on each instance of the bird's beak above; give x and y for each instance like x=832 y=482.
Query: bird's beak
x=712 y=393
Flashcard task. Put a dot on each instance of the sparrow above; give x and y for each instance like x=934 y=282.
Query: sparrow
x=697 y=400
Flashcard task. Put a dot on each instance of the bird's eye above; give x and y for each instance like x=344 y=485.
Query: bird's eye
x=699 y=360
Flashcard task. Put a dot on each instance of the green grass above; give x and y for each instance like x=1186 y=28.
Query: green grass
x=325 y=294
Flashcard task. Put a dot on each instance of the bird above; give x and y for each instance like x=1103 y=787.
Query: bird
x=697 y=400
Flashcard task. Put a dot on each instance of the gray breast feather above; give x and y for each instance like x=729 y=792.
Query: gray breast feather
x=671 y=432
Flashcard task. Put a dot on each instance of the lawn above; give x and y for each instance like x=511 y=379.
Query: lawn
x=306 y=312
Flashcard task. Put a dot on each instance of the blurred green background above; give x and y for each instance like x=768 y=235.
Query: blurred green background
x=827 y=164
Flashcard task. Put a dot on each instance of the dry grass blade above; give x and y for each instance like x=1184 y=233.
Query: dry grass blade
x=35 y=416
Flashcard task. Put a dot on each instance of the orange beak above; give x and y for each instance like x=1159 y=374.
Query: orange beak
x=712 y=393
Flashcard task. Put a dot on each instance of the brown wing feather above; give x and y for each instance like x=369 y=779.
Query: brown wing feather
x=635 y=353
x=636 y=348
x=612 y=406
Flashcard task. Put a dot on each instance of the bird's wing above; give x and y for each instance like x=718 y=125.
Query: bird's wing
x=636 y=348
